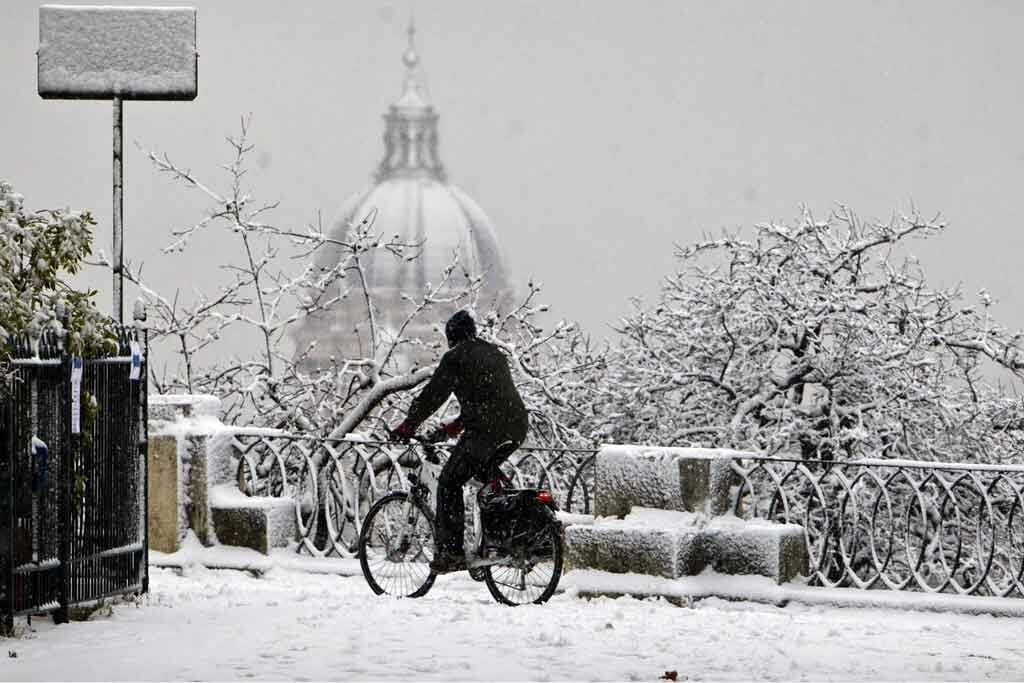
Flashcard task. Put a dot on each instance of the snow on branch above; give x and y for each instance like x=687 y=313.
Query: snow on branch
x=820 y=338
x=277 y=277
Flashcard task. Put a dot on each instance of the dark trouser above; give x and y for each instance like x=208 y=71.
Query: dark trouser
x=468 y=459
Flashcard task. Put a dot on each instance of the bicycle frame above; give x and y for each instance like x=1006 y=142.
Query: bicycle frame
x=421 y=488
x=423 y=483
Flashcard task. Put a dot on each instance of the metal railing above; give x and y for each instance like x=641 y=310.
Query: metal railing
x=898 y=525
x=335 y=481
x=73 y=512
x=878 y=524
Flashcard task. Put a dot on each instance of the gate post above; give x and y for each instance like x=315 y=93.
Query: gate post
x=67 y=459
x=143 y=397
x=8 y=514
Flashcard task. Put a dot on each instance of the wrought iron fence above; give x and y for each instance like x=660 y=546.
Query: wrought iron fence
x=898 y=525
x=72 y=504
x=335 y=481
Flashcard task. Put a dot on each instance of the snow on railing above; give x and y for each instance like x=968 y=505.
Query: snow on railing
x=871 y=524
x=335 y=481
x=899 y=525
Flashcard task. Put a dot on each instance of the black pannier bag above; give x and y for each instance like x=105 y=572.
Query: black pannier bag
x=510 y=514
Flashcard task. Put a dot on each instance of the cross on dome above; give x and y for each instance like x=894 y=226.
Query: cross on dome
x=410 y=58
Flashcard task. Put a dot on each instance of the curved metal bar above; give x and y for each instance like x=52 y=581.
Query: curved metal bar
x=335 y=481
x=932 y=527
x=900 y=525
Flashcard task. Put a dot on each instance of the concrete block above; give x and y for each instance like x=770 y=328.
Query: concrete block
x=682 y=479
x=244 y=527
x=164 y=494
x=756 y=547
x=652 y=542
x=221 y=458
x=256 y=523
x=193 y=461
x=720 y=486
x=651 y=477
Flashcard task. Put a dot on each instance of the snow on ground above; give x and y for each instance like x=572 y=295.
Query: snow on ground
x=208 y=624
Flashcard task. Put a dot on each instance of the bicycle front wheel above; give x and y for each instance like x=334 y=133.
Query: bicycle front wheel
x=396 y=545
x=532 y=578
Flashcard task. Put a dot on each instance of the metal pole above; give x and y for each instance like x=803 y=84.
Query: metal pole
x=118 y=254
x=144 y=448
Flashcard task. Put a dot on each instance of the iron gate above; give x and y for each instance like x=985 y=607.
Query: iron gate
x=73 y=497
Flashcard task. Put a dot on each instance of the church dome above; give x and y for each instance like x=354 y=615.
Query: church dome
x=435 y=214
x=410 y=201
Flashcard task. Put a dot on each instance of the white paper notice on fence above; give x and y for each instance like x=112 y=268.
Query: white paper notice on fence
x=76 y=395
x=136 y=371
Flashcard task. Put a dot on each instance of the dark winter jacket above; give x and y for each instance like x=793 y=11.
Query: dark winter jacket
x=477 y=373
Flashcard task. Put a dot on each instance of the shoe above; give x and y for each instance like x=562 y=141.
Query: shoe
x=446 y=563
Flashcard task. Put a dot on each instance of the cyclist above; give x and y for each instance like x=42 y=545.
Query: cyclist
x=491 y=413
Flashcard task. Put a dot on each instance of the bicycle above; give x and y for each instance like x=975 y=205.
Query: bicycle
x=515 y=544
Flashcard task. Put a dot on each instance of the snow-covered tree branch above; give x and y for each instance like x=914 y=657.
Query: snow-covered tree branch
x=38 y=252
x=279 y=276
x=817 y=339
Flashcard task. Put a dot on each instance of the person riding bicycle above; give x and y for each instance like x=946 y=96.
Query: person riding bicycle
x=492 y=412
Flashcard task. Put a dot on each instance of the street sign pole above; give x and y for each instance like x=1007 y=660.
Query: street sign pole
x=118 y=252
x=118 y=54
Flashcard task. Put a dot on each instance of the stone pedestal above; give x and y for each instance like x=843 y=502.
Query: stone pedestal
x=665 y=512
x=164 y=494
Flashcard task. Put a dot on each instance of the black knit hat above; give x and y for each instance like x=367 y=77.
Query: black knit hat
x=460 y=327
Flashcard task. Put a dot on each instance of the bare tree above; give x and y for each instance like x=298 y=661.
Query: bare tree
x=818 y=339
x=262 y=299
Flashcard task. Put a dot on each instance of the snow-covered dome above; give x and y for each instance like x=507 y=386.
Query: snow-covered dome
x=413 y=203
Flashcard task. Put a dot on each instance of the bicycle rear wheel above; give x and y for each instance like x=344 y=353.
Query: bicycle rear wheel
x=396 y=545
x=533 y=578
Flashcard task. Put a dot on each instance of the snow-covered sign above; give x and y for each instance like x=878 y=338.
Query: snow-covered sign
x=134 y=53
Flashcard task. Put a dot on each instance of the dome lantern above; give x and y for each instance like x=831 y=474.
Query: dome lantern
x=412 y=199
x=410 y=135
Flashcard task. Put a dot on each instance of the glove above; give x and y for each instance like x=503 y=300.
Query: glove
x=446 y=431
x=403 y=432
x=452 y=428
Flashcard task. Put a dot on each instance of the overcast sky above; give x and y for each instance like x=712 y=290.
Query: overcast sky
x=595 y=134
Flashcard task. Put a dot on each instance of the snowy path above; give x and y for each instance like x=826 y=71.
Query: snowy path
x=230 y=625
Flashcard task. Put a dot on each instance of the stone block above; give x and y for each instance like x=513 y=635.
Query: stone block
x=694 y=483
x=221 y=458
x=193 y=461
x=646 y=477
x=256 y=523
x=721 y=483
x=245 y=527
x=758 y=547
x=652 y=542
x=682 y=479
x=164 y=494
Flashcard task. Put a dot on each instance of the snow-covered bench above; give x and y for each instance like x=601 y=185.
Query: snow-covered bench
x=666 y=512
